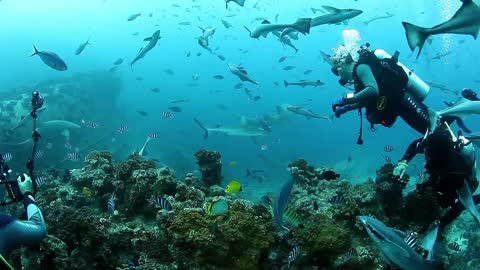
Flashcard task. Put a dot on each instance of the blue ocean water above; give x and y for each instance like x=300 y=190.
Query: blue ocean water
x=61 y=26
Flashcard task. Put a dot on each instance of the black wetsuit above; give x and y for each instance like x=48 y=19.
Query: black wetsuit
x=15 y=233
x=393 y=100
x=447 y=168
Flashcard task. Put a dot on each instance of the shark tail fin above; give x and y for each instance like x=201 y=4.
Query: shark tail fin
x=285 y=83
x=35 y=51
x=416 y=36
x=205 y=136
x=248 y=30
x=331 y=118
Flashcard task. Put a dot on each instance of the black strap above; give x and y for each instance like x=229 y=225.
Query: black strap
x=36 y=136
x=360 y=139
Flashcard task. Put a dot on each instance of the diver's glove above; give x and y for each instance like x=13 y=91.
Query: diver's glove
x=25 y=184
x=339 y=103
x=401 y=168
x=341 y=110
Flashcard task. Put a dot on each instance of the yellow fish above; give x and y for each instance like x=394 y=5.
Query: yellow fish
x=232 y=163
x=217 y=207
x=87 y=192
x=233 y=187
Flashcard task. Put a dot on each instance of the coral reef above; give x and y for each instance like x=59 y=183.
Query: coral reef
x=82 y=234
x=210 y=166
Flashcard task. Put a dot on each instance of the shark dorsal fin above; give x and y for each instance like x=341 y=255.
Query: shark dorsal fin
x=331 y=9
x=239 y=2
x=265 y=22
x=242 y=70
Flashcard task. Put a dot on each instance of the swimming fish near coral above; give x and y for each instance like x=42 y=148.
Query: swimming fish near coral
x=233 y=187
x=217 y=207
x=87 y=192
x=293 y=255
x=40 y=181
x=161 y=202
x=337 y=200
x=330 y=175
x=111 y=203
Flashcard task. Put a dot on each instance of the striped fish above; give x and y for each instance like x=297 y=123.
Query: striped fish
x=153 y=135
x=387 y=159
x=161 y=203
x=7 y=157
x=166 y=114
x=89 y=124
x=454 y=246
x=389 y=148
x=293 y=255
x=38 y=154
x=292 y=217
x=74 y=156
x=337 y=200
x=111 y=203
x=122 y=129
x=350 y=254
x=40 y=181
x=411 y=239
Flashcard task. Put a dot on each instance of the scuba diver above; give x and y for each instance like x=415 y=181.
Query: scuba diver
x=13 y=232
x=383 y=86
x=451 y=164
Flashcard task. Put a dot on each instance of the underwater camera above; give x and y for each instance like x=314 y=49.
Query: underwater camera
x=8 y=185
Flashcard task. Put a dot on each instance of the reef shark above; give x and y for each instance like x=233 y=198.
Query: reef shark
x=462 y=107
x=304 y=83
x=26 y=119
x=238 y=2
x=152 y=42
x=239 y=132
x=379 y=17
x=393 y=246
x=302 y=25
x=241 y=73
x=465 y=21
x=53 y=128
x=334 y=16
x=307 y=113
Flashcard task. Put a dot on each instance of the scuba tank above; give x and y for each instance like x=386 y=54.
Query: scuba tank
x=415 y=86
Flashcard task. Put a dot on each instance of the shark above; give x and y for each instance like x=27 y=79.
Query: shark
x=152 y=42
x=334 y=16
x=51 y=128
x=241 y=73
x=393 y=246
x=462 y=107
x=466 y=21
x=25 y=119
x=230 y=131
x=302 y=25
x=238 y=2
x=379 y=17
x=326 y=58
x=309 y=114
x=304 y=83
